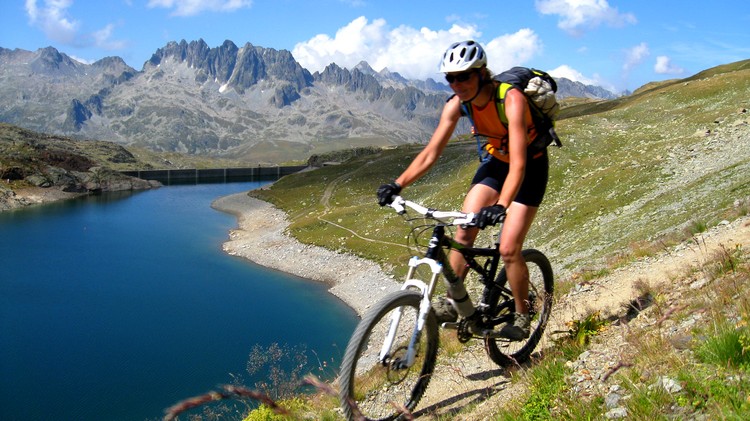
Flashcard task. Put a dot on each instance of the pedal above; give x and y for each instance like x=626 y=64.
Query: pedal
x=449 y=325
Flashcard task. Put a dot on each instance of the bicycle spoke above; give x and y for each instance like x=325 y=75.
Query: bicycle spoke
x=382 y=388
x=505 y=352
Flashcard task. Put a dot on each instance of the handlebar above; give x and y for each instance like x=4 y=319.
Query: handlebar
x=458 y=218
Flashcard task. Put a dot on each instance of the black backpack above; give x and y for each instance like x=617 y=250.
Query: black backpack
x=539 y=88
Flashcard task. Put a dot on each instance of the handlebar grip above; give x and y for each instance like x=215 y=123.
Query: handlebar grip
x=398 y=204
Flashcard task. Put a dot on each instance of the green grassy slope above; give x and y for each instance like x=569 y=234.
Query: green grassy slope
x=635 y=169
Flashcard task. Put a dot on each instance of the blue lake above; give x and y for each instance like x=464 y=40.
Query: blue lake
x=115 y=307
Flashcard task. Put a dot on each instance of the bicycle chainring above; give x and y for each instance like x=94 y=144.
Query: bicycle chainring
x=462 y=332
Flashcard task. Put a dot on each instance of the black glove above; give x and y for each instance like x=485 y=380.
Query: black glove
x=386 y=193
x=490 y=215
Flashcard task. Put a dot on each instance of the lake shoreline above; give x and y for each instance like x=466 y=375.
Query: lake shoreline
x=30 y=196
x=261 y=238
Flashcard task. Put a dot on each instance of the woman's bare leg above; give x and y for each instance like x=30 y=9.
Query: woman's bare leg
x=478 y=197
x=517 y=224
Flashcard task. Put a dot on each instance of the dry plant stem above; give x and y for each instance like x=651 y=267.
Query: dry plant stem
x=669 y=313
x=614 y=369
x=230 y=392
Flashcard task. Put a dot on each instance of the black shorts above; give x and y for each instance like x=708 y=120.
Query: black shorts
x=493 y=173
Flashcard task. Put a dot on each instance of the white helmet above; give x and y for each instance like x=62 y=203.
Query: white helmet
x=462 y=56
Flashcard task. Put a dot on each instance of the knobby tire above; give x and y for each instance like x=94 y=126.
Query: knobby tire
x=363 y=395
x=507 y=353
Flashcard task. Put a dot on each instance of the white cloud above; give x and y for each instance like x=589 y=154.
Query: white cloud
x=575 y=15
x=354 y=3
x=194 y=7
x=53 y=19
x=80 y=60
x=102 y=39
x=414 y=53
x=572 y=74
x=512 y=49
x=664 y=66
x=635 y=56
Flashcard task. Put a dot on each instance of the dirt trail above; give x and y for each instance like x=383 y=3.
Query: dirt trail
x=472 y=378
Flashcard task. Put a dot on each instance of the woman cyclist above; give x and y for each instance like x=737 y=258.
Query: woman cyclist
x=510 y=180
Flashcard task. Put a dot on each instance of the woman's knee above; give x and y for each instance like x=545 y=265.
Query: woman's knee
x=510 y=253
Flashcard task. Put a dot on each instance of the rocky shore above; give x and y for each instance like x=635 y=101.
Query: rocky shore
x=261 y=238
x=32 y=196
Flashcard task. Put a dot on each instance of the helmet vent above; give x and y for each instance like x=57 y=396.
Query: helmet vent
x=462 y=56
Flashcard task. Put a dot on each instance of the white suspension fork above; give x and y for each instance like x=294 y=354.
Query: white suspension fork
x=426 y=290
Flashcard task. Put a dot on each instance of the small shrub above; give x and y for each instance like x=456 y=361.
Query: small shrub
x=282 y=366
x=696 y=227
x=723 y=262
x=727 y=348
x=581 y=331
x=295 y=406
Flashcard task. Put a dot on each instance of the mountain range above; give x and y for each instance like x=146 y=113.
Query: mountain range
x=251 y=103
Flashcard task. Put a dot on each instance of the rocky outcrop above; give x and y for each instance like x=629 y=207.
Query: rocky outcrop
x=49 y=61
x=114 y=70
x=352 y=81
x=76 y=116
x=57 y=168
x=239 y=68
x=568 y=88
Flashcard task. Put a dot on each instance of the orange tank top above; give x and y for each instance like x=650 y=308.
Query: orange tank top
x=487 y=123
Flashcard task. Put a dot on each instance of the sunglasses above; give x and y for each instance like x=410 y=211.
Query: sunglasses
x=461 y=77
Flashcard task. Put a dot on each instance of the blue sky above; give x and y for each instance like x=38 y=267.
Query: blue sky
x=616 y=44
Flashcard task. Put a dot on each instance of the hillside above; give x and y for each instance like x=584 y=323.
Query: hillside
x=632 y=170
x=637 y=181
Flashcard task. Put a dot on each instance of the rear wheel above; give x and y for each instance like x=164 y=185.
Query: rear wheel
x=386 y=389
x=505 y=352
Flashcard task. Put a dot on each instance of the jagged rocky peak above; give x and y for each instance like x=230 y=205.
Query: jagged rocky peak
x=333 y=74
x=386 y=73
x=365 y=68
x=48 y=60
x=569 y=88
x=114 y=66
x=111 y=61
x=354 y=79
x=276 y=64
x=240 y=68
x=15 y=57
x=173 y=49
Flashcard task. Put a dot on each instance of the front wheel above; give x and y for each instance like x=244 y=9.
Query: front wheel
x=376 y=388
x=541 y=284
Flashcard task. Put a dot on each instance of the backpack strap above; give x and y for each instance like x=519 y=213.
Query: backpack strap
x=482 y=152
x=541 y=121
x=502 y=90
x=537 y=115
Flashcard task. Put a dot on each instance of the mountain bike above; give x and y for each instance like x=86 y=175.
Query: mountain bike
x=391 y=355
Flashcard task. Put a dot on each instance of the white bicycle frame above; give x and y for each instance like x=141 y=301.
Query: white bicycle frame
x=426 y=289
